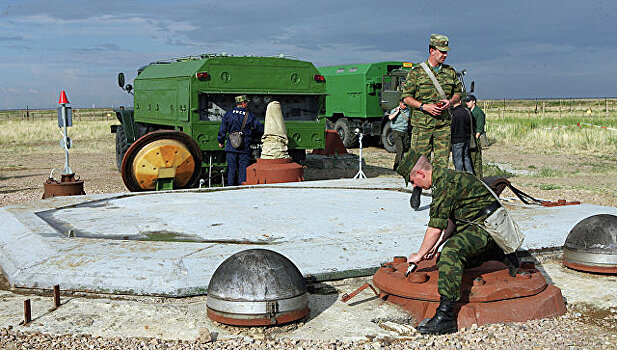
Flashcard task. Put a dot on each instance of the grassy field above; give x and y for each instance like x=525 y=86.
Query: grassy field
x=572 y=126
x=541 y=151
x=38 y=135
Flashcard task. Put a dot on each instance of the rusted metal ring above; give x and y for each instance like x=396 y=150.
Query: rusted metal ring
x=256 y=307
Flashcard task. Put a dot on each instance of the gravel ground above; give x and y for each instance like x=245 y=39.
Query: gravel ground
x=566 y=332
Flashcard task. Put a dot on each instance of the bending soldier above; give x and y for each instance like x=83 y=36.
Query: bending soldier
x=461 y=204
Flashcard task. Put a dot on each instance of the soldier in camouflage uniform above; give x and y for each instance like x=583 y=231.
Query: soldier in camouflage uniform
x=430 y=119
x=460 y=203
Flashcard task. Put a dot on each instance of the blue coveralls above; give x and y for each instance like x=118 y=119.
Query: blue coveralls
x=238 y=159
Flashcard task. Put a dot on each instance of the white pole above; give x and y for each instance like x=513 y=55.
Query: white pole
x=67 y=168
x=360 y=174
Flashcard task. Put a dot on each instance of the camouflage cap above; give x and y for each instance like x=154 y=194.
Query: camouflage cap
x=241 y=98
x=409 y=161
x=440 y=42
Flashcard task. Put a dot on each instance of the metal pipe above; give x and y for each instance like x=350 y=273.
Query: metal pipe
x=57 y=296
x=27 y=312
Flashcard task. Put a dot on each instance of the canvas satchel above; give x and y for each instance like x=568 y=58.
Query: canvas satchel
x=502 y=228
x=236 y=138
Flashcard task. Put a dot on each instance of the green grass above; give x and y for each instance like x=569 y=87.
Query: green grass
x=549 y=187
x=43 y=135
x=549 y=172
x=492 y=170
x=550 y=130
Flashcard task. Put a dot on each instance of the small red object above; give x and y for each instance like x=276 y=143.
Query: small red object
x=272 y=171
x=63 y=98
x=334 y=145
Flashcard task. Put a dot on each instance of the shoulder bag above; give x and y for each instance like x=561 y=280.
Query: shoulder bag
x=236 y=138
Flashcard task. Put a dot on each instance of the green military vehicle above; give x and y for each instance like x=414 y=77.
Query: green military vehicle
x=360 y=95
x=169 y=138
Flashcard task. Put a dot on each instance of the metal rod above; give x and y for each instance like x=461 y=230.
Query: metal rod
x=27 y=312
x=210 y=172
x=67 y=168
x=57 y=295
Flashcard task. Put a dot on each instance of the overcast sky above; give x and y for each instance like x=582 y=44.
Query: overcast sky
x=514 y=49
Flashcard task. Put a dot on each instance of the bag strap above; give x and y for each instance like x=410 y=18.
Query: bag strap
x=246 y=115
x=430 y=74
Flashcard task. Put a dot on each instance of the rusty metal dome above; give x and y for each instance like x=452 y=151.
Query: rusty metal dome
x=257 y=287
x=591 y=245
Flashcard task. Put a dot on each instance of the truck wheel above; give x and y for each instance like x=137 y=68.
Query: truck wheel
x=346 y=134
x=121 y=146
x=387 y=138
x=163 y=151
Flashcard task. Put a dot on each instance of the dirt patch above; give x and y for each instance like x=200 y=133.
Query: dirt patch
x=591 y=179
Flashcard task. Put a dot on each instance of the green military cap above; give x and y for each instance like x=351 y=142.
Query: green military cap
x=241 y=98
x=409 y=161
x=440 y=42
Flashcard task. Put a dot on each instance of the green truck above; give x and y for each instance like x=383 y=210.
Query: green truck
x=169 y=138
x=360 y=95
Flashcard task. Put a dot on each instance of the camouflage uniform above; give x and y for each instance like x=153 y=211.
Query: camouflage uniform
x=461 y=197
x=431 y=133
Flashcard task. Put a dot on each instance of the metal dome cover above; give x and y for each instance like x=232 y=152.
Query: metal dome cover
x=591 y=245
x=257 y=287
x=256 y=275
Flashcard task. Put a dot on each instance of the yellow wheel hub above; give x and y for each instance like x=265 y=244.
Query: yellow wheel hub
x=163 y=159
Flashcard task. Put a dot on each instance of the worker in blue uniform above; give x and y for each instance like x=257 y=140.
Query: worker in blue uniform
x=238 y=158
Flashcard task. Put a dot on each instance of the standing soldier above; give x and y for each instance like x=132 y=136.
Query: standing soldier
x=430 y=89
x=479 y=121
x=239 y=119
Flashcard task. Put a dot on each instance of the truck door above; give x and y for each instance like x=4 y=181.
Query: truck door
x=392 y=89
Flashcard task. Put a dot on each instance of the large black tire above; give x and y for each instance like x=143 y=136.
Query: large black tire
x=347 y=135
x=387 y=138
x=121 y=146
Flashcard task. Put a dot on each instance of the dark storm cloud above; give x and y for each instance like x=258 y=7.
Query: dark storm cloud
x=512 y=49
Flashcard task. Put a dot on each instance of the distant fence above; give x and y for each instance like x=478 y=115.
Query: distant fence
x=597 y=107
x=79 y=114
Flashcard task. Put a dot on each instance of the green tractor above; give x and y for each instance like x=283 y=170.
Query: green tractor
x=168 y=140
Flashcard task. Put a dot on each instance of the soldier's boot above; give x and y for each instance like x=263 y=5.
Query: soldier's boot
x=444 y=320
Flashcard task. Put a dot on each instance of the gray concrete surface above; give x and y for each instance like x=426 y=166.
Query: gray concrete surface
x=329 y=229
